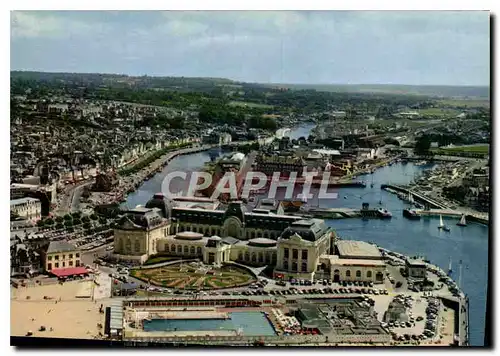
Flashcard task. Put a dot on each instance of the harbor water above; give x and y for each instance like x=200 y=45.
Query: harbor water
x=411 y=237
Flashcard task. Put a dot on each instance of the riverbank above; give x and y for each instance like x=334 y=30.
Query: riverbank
x=439 y=208
x=131 y=182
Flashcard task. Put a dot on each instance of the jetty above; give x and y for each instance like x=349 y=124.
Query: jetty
x=437 y=208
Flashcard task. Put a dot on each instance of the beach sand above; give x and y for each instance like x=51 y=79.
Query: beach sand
x=70 y=317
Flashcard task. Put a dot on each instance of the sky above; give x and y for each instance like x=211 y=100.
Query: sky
x=303 y=47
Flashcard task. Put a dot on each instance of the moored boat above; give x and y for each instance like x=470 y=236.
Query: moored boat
x=411 y=214
x=462 y=221
x=384 y=213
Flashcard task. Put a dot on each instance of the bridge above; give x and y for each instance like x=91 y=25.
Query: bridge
x=438 y=208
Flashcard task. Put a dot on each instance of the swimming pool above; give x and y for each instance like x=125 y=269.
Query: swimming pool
x=251 y=323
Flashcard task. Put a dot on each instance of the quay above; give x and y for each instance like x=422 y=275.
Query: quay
x=332 y=183
x=437 y=208
x=459 y=303
x=342 y=213
x=417 y=196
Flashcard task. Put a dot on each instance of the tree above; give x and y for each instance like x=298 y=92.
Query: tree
x=94 y=217
x=59 y=219
x=85 y=219
x=422 y=146
x=76 y=214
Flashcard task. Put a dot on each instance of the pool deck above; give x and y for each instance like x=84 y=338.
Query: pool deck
x=134 y=333
x=191 y=315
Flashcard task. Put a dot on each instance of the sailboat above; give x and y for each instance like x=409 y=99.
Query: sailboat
x=462 y=221
x=449 y=268
x=410 y=198
x=442 y=225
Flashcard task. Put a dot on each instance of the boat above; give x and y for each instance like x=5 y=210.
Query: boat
x=411 y=214
x=441 y=223
x=462 y=221
x=384 y=213
x=449 y=268
x=410 y=198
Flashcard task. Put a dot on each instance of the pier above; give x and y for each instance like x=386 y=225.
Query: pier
x=437 y=208
x=417 y=196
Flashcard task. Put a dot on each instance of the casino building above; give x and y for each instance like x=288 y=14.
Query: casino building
x=198 y=228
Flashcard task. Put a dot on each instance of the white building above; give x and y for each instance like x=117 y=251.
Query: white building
x=295 y=246
x=27 y=208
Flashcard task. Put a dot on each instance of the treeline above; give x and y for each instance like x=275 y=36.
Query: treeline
x=236 y=116
x=151 y=158
x=423 y=142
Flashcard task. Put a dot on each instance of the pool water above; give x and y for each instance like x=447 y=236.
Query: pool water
x=251 y=323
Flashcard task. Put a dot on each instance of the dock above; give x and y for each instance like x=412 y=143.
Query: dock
x=437 y=208
x=342 y=213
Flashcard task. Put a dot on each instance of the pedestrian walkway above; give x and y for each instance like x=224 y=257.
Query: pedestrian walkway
x=102 y=286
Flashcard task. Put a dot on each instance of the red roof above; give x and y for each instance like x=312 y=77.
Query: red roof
x=70 y=271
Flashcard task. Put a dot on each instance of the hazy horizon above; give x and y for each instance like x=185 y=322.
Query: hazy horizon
x=400 y=48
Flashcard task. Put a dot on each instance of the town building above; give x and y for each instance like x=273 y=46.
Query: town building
x=26 y=208
x=24 y=259
x=60 y=255
x=295 y=246
x=416 y=269
x=354 y=261
x=281 y=163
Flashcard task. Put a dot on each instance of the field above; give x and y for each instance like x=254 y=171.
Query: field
x=248 y=104
x=439 y=112
x=473 y=149
x=463 y=150
x=194 y=276
x=473 y=103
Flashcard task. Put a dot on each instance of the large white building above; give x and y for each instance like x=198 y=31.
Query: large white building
x=296 y=247
x=26 y=208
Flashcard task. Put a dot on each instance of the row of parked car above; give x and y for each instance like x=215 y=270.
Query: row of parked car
x=295 y=291
x=431 y=312
x=325 y=282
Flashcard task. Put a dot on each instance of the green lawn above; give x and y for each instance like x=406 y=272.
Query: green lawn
x=186 y=276
x=479 y=149
x=474 y=149
x=438 y=112
x=466 y=103
x=159 y=259
x=251 y=105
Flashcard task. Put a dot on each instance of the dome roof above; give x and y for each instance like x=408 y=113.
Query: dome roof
x=310 y=230
x=188 y=235
x=262 y=242
x=161 y=202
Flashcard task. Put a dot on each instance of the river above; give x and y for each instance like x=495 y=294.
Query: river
x=468 y=244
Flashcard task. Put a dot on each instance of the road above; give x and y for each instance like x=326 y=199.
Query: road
x=71 y=198
x=76 y=195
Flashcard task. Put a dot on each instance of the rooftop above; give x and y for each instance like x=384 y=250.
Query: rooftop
x=336 y=260
x=70 y=271
x=357 y=249
x=60 y=246
x=23 y=201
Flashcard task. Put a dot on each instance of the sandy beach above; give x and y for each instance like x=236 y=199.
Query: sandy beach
x=67 y=315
